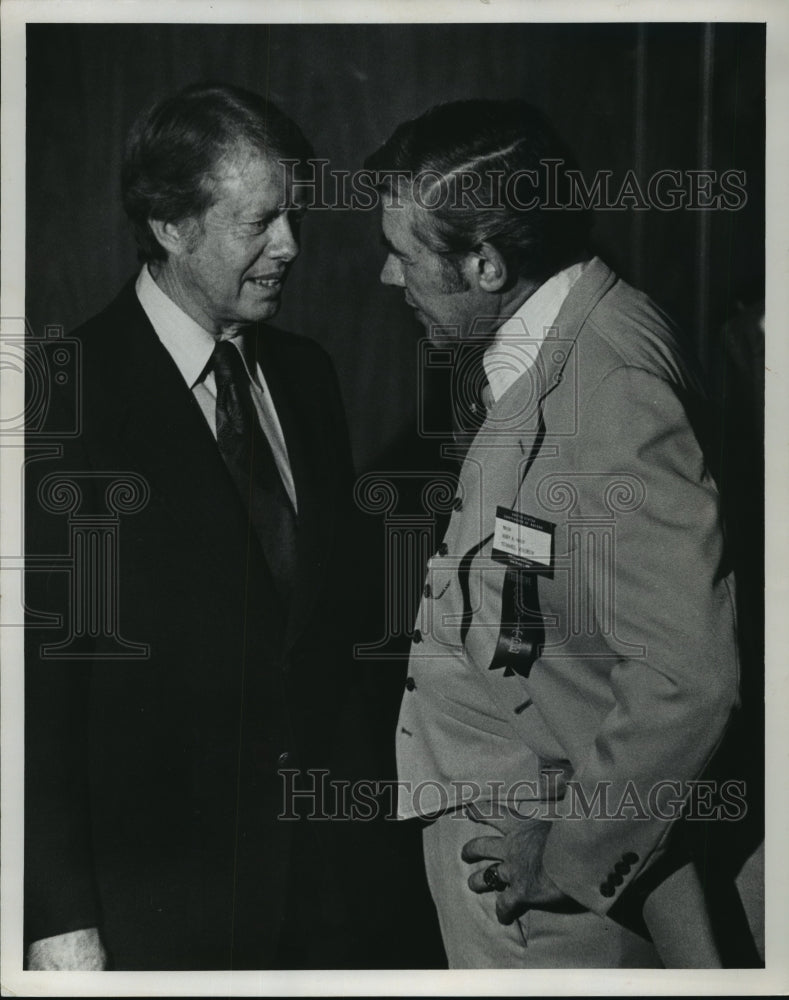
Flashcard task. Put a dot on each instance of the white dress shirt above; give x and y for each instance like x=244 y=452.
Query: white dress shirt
x=190 y=346
x=518 y=340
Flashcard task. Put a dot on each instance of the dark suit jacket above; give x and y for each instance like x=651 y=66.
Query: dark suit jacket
x=152 y=785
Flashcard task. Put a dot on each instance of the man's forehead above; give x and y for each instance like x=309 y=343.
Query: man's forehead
x=402 y=219
x=243 y=159
x=259 y=174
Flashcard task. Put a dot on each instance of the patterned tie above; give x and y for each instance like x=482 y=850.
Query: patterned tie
x=250 y=461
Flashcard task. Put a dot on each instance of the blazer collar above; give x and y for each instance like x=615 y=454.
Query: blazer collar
x=543 y=377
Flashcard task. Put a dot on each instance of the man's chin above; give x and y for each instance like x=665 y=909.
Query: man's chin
x=437 y=333
x=442 y=335
x=263 y=311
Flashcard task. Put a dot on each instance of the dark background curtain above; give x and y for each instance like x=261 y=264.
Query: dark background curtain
x=641 y=97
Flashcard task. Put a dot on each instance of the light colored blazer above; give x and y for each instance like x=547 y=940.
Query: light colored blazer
x=638 y=670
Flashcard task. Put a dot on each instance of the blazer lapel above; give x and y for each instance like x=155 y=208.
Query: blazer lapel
x=518 y=417
x=166 y=436
x=510 y=412
x=295 y=399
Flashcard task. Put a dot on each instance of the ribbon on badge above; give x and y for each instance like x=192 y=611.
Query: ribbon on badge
x=525 y=545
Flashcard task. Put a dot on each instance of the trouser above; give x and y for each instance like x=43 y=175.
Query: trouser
x=474 y=938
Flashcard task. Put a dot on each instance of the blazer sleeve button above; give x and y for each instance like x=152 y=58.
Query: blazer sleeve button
x=428 y=591
x=629 y=857
x=443 y=549
x=410 y=684
x=416 y=636
x=615 y=878
x=607 y=890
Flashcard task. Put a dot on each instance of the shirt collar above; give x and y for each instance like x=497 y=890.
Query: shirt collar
x=518 y=340
x=188 y=344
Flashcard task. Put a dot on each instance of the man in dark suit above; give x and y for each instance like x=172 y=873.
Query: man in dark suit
x=574 y=661
x=188 y=647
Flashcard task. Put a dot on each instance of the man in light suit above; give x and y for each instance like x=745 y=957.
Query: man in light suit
x=186 y=646
x=573 y=666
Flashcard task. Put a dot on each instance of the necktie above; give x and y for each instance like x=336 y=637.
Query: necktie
x=471 y=394
x=250 y=461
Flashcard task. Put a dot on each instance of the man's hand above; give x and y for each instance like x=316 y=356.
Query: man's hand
x=519 y=849
x=77 y=951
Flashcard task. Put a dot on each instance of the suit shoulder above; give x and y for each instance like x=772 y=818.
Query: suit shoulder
x=106 y=327
x=627 y=329
x=287 y=340
x=293 y=348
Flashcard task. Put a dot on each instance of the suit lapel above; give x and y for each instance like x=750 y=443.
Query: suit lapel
x=515 y=431
x=294 y=398
x=555 y=353
x=167 y=438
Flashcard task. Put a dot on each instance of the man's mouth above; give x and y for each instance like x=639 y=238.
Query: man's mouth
x=267 y=281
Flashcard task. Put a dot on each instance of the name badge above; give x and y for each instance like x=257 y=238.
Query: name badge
x=525 y=541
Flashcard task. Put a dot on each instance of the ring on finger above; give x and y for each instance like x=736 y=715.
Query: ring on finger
x=492 y=878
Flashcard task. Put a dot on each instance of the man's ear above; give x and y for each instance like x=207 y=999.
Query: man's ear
x=174 y=237
x=489 y=268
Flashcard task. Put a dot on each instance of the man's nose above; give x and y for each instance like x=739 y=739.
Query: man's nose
x=392 y=272
x=283 y=244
